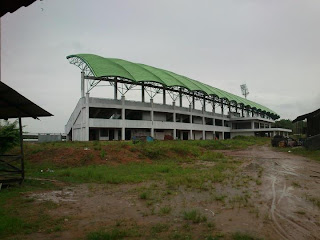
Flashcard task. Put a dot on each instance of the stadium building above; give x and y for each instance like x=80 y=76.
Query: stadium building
x=186 y=109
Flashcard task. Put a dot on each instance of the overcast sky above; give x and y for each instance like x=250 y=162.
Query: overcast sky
x=271 y=45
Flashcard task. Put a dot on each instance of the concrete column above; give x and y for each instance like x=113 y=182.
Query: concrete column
x=222 y=134
x=203 y=135
x=116 y=134
x=86 y=115
x=252 y=125
x=152 y=132
x=123 y=117
x=82 y=84
x=214 y=135
x=191 y=135
x=274 y=133
x=174 y=120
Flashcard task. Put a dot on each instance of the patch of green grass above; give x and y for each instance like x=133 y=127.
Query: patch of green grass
x=159 y=227
x=194 y=216
x=213 y=156
x=114 y=234
x=312 y=154
x=165 y=210
x=144 y=195
x=244 y=236
x=19 y=215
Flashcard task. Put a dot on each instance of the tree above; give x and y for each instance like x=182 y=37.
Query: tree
x=9 y=136
x=283 y=123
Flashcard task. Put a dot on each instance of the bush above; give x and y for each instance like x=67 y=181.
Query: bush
x=9 y=136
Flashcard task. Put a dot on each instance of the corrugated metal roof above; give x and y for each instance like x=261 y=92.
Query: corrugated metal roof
x=112 y=67
x=13 y=5
x=14 y=105
x=304 y=116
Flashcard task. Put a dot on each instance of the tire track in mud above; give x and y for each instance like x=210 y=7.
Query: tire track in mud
x=296 y=230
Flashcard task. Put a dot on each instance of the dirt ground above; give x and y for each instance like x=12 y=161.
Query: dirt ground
x=279 y=201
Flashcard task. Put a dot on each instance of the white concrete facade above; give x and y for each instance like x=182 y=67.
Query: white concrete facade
x=113 y=119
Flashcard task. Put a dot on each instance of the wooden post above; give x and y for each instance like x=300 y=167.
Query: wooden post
x=21 y=149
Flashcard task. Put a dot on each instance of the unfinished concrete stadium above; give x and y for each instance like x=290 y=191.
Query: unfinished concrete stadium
x=188 y=110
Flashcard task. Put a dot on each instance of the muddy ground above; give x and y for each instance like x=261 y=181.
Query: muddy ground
x=274 y=195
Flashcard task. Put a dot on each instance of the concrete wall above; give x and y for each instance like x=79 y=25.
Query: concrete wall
x=154 y=118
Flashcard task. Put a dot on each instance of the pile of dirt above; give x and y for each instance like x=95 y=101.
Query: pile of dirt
x=68 y=156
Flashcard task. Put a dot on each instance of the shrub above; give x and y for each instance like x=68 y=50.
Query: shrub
x=9 y=136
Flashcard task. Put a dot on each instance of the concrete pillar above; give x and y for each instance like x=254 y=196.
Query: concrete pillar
x=82 y=84
x=86 y=114
x=222 y=134
x=191 y=135
x=123 y=118
x=214 y=135
x=152 y=132
x=252 y=124
x=116 y=134
x=174 y=121
x=203 y=135
x=174 y=134
x=274 y=133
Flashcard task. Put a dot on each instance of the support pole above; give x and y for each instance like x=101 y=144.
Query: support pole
x=164 y=96
x=142 y=92
x=82 y=84
x=204 y=103
x=193 y=102
x=222 y=106
x=180 y=97
x=115 y=89
x=21 y=149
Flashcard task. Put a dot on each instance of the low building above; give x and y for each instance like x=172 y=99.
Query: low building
x=222 y=115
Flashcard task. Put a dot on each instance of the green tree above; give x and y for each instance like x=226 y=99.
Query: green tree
x=283 y=123
x=9 y=136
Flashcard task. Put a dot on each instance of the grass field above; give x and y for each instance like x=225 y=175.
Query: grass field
x=191 y=164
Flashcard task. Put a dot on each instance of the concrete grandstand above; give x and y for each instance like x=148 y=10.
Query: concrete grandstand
x=188 y=110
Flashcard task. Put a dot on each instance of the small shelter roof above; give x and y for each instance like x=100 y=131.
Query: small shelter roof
x=14 y=105
x=304 y=116
x=13 y=5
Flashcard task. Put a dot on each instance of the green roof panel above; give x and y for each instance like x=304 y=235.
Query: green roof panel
x=112 y=67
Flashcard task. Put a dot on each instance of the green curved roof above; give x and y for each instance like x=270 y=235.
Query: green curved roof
x=136 y=72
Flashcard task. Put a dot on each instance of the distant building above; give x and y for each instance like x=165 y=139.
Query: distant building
x=222 y=115
x=313 y=122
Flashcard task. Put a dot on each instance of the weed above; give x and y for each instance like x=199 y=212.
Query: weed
x=115 y=234
x=165 y=210
x=243 y=236
x=295 y=184
x=159 y=227
x=103 y=154
x=144 y=195
x=194 y=216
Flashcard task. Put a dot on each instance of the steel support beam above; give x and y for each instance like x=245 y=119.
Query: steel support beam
x=82 y=84
x=115 y=91
x=180 y=97
x=164 y=96
x=142 y=92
